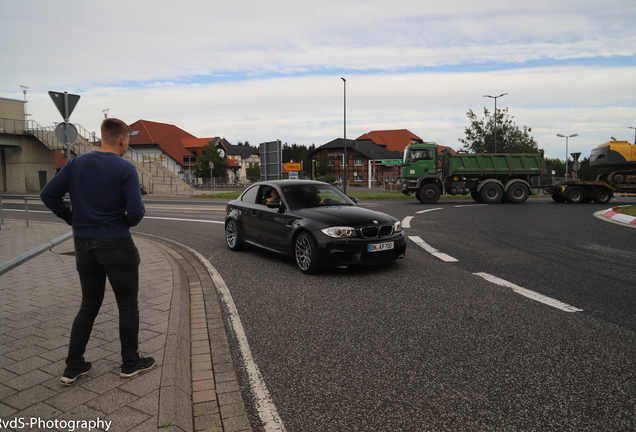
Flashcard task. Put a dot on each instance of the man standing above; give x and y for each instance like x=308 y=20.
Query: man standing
x=105 y=203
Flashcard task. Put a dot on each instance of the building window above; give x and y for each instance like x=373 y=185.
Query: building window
x=358 y=162
x=330 y=163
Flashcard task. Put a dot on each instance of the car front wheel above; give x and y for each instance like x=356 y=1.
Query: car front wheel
x=232 y=236
x=306 y=254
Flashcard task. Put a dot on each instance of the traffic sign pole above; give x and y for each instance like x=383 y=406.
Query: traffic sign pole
x=212 y=178
x=65 y=104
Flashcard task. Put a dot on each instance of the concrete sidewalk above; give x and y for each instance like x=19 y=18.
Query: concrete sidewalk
x=193 y=387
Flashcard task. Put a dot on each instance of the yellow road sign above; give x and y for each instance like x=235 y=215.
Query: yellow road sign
x=291 y=167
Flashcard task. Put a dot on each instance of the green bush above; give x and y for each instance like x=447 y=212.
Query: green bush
x=328 y=178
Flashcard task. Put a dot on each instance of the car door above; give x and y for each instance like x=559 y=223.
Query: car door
x=246 y=211
x=269 y=223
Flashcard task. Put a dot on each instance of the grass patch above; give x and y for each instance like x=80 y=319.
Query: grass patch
x=627 y=210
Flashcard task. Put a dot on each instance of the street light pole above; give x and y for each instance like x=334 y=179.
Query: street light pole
x=105 y=111
x=631 y=127
x=26 y=119
x=495 y=98
x=344 y=154
x=567 y=155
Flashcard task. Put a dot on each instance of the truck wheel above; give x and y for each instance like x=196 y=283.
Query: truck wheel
x=491 y=193
x=476 y=196
x=602 y=196
x=558 y=198
x=429 y=194
x=518 y=193
x=575 y=195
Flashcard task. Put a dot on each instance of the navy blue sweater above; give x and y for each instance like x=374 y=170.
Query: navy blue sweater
x=105 y=195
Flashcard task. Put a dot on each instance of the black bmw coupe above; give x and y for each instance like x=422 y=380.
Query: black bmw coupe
x=315 y=223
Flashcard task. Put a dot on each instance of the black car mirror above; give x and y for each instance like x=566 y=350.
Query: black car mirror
x=354 y=199
x=274 y=204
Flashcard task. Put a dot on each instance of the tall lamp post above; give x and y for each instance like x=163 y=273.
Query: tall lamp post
x=105 y=111
x=24 y=90
x=567 y=155
x=344 y=154
x=631 y=127
x=495 y=98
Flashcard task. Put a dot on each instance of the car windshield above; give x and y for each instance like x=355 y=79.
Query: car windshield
x=315 y=195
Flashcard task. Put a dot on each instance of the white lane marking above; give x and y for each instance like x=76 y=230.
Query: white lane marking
x=430 y=249
x=406 y=222
x=30 y=211
x=186 y=208
x=529 y=293
x=264 y=404
x=183 y=220
x=145 y=217
x=470 y=205
x=428 y=210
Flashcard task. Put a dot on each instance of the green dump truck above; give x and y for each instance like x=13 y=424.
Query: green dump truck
x=488 y=178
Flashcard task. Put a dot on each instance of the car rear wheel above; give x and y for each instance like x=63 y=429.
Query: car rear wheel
x=306 y=254
x=232 y=236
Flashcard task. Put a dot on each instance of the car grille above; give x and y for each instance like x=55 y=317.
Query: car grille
x=376 y=231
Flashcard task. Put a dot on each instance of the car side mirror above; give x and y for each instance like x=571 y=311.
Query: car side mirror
x=275 y=204
x=354 y=199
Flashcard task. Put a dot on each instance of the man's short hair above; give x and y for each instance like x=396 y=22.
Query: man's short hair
x=113 y=129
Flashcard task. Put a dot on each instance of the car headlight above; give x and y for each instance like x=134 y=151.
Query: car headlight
x=397 y=227
x=339 y=232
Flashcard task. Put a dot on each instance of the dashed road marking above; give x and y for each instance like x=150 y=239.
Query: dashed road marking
x=430 y=249
x=428 y=210
x=529 y=293
x=406 y=222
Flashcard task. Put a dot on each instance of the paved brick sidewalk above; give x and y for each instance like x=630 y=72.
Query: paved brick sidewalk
x=38 y=302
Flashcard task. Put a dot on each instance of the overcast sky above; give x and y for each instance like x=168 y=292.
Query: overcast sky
x=259 y=71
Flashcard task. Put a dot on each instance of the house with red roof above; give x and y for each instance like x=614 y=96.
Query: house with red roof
x=395 y=140
x=161 y=143
x=177 y=150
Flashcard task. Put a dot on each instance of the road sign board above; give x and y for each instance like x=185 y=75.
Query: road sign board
x=64 y=102
x=60 y=133
x=211 y=165
x=291 y=167
x=576 y=155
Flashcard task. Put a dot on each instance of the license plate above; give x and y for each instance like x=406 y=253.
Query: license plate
x=376 y=247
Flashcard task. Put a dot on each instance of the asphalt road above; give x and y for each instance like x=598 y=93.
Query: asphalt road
x=431 y=342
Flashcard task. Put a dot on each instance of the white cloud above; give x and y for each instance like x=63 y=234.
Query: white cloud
x=259 y=71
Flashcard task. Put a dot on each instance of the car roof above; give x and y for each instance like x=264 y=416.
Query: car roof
x=290 y=182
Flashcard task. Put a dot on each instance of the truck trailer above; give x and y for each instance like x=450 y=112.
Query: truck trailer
x=613 y=155
x=488 y=178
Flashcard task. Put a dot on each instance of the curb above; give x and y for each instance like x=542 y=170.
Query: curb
x=619 y=217
x=200 y=389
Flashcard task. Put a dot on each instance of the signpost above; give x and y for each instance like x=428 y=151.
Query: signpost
x=212 y=178
x=291 y=166
x=65 y=104
x=576 y=165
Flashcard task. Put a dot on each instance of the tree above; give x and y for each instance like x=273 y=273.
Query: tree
x=510 y=138
x=254 y=173
x=323 y=166
x=297 y=153
x=202 y=167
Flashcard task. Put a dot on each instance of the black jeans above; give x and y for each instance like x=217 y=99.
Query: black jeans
x=96 y=259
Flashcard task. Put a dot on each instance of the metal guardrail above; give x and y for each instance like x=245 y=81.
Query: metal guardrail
x=13 y=263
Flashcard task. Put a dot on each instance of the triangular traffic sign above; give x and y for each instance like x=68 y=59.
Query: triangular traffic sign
x=58 y=100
